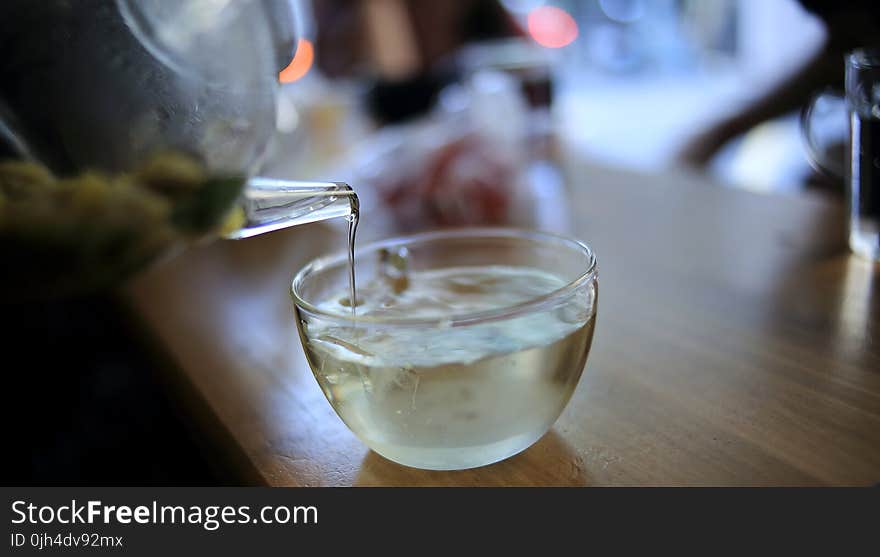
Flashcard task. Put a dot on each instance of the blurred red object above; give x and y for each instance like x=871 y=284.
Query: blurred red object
x=464 y=182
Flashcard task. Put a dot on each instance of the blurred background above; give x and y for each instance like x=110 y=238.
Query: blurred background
x=457 y=113
x=623 y=83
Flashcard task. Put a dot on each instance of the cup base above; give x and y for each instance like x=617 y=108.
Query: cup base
x=457 y=458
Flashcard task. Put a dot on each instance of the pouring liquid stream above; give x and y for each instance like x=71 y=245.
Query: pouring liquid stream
x=353 y=219
x=270 y=204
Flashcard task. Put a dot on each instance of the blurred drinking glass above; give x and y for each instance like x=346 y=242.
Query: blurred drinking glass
x=861 y=168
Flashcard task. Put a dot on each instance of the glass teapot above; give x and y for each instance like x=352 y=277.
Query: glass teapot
x=128 y=127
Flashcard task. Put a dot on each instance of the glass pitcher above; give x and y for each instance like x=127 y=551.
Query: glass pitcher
x=131 y=126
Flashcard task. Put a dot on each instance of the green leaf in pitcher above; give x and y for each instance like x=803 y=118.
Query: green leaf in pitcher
x=205 y=208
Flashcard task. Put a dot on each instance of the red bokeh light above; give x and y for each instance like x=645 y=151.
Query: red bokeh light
x=552 y=27
x=301 y=63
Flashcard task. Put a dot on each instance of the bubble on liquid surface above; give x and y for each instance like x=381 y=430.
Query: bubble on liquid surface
x=394 y=267
x=443 y=295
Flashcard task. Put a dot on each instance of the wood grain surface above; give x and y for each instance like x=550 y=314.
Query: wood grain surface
x=736 y=344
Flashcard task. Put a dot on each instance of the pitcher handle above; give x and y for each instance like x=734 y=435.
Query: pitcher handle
x=815 y=156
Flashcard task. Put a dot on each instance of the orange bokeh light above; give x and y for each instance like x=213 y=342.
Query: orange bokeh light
x=552 y=27
x=302 y=61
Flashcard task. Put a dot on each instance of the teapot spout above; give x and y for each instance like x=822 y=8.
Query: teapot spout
x=268 y=204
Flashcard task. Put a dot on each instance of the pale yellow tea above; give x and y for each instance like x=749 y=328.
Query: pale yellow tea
x=449 y=396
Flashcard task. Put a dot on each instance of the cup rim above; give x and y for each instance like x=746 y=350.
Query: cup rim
x=865 y=57
x=472 y=318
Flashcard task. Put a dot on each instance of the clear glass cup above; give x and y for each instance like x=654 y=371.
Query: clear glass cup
x=465 y=388
x=861 y=168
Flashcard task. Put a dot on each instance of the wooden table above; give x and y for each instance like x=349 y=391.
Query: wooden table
x=736 y=344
